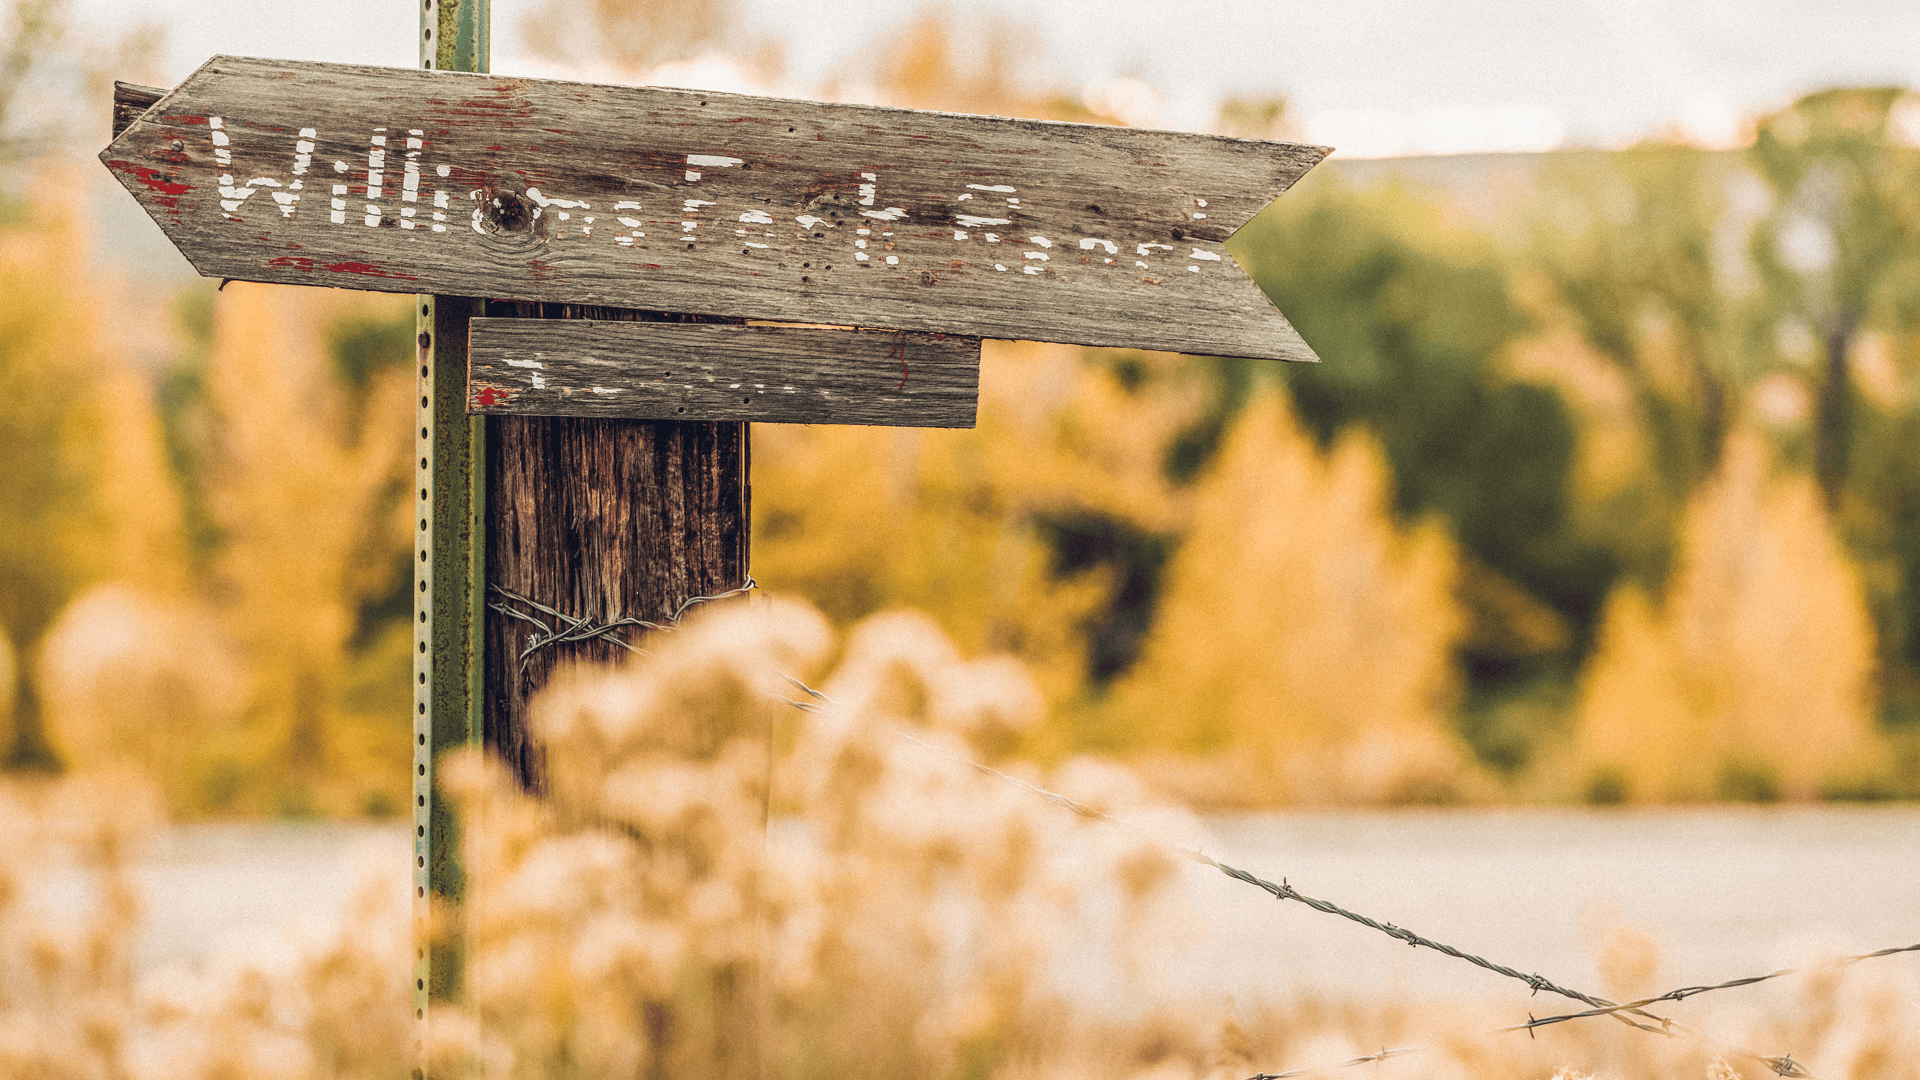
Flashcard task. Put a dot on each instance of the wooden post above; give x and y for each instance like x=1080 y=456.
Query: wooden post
x=600 y=519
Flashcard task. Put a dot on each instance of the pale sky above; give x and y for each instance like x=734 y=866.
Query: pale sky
x=1369 y=76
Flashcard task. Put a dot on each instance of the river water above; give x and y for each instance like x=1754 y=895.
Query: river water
x=1721 y=892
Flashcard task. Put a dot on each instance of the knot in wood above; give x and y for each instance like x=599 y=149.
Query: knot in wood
x=508 y=211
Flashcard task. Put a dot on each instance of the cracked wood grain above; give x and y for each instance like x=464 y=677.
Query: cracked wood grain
x=523 y=189
x=764 y=374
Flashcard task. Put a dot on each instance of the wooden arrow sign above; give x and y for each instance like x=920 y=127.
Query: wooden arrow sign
x=428 y=181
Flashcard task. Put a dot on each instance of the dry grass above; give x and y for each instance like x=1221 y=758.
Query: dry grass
x=907 y=918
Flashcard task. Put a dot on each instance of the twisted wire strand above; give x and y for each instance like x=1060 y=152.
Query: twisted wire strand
x=1780 y=1064
x=568 y=629
x=1283 y=891
x=1684 y=992
x=1385 y=1054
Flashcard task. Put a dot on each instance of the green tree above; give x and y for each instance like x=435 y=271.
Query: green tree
x=1839 y=250
x=1838 y=256
x=1632 y=246
x=1414 y=320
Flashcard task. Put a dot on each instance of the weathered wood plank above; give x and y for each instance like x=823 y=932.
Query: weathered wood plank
x=790 y=211
x=763 y=374
x=129 y=101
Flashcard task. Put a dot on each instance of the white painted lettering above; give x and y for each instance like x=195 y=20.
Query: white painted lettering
x=543 y=201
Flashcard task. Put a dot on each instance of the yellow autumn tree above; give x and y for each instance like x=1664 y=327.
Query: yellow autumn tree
x=50 y=427
x=307 y=485
x=136 y=669
x=1751 y=679
x=861 y=519
x=92 y=562
x=1302 y=652
x=234 y=686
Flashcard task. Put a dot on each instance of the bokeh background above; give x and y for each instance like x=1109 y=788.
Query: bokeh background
x=1597 y=528
x=1606 y=490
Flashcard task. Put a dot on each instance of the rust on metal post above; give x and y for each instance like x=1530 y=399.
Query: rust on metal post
x=449 y=563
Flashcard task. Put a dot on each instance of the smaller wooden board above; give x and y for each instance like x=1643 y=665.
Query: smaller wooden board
x=763 y=374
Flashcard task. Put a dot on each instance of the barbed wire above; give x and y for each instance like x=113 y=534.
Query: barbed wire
x=1284 y=891
x=1684 y=992
x=1385 y=1054
x=567 y=629
x=1780 y=1064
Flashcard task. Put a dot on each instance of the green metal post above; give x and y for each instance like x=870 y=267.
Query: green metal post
x=449 y=565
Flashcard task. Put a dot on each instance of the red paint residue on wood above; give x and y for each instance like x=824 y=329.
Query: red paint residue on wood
x=368 y=269
x=296 y=262
x=489 y=396
x=189 y=119
x=166 y=191
x=151 y=177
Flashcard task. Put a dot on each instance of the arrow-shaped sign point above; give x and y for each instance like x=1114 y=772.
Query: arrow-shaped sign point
x=393 y=179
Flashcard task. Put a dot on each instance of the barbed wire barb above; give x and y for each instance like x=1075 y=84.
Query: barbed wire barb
x=567 y=629
x=1685 y=992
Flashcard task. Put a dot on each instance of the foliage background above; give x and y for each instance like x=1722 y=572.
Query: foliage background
x=1603 y=492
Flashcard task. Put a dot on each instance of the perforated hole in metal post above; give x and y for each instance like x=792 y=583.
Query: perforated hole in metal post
x=423 y=657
